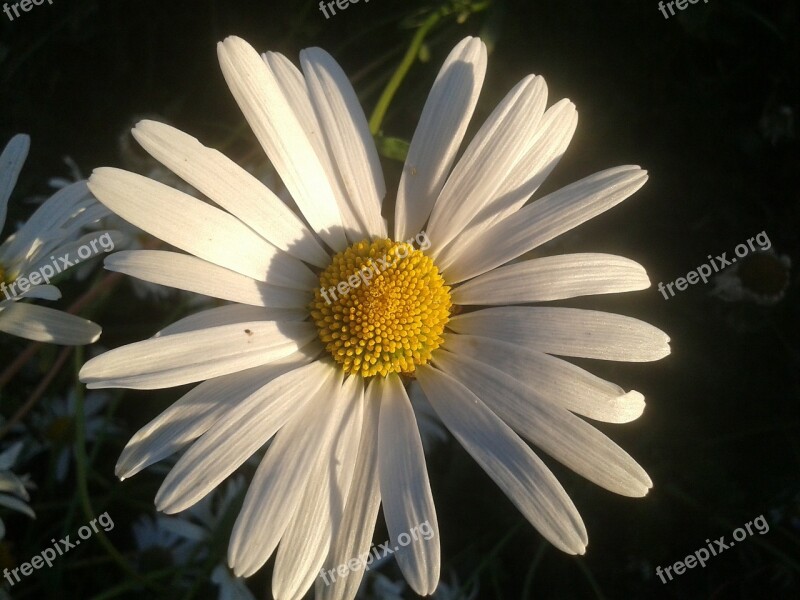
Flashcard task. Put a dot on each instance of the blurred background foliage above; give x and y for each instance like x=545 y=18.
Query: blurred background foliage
x=706 y=101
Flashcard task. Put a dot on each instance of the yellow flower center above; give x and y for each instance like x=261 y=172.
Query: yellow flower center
x=381 y=308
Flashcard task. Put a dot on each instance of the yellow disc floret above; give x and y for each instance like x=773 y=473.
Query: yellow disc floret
x=381 y=308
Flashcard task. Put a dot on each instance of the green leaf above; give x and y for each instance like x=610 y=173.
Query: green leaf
x=392 y=147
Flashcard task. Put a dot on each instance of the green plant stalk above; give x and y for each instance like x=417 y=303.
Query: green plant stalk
x=83 y=487
x=379 y=113
x=402 y=70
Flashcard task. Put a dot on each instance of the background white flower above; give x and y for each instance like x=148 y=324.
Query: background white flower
x=55 y=420
x=50 y=233
x=13 y=488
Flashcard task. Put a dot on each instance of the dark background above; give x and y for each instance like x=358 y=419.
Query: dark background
x=689 y=98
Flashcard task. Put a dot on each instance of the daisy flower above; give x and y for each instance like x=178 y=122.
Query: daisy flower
x=36 y=252
x=158 y=546
x=56 y=422
x=325 y=378
x=13 y=489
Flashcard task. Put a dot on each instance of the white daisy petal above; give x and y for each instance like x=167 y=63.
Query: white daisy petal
x=11 y=484
x=92 y=212
x=41 y=292
x=11 y=161
x=405 y=489
x=552 y=137
x=16 y=504
x=196 y=412
x=348 y=137
x=553 y=278
x=565 y=437
x=438 y=135
x=193 y=274
x=277 y=128
x=502 y=142
x=230 y=441
x=567 y=332
x=196 y=227
x=42 y=324
x=554 y=379
x=307 y=539
x=49 y=224
x=352 y=538
x=230 y=186
x=513 y=466
x=230 y=314
x=294 y=88
x=196 y=355
x=284 y=472
x=69 y=251
x=546 y=219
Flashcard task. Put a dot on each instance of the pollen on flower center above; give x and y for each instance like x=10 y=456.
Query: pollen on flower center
x=381 y=308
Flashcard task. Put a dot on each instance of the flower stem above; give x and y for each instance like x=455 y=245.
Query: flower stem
x=83 y=486
x=463 y=10
x=402 y=70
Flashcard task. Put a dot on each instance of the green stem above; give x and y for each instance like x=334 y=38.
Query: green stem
x=376 y=119
x=402 y=70
x=83 y=487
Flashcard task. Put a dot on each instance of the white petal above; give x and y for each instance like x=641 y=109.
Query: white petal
x=499 y=145
x=551 y=140
x=553 y=134
x=553 y=278
x=104 y=241
x=41 y=292
x=513 y=466
x=42 y=324
x=348 y=137
x=565 y=437
x=282 y=477
x=307 y=539
x=195 y=413
x=50 y=224
x=405 y=489
x=11 y=161
x=568 y=332
x=545 y=219
x=228 y=315
x=438 y=135
x=281 y=135
x=193 y=274
x=232 y=440
x=196 y=355
x=352 y=539
x=294 y=88
x=554 y=379
x=196 y=227
x=234 y=189
x=16 y=504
